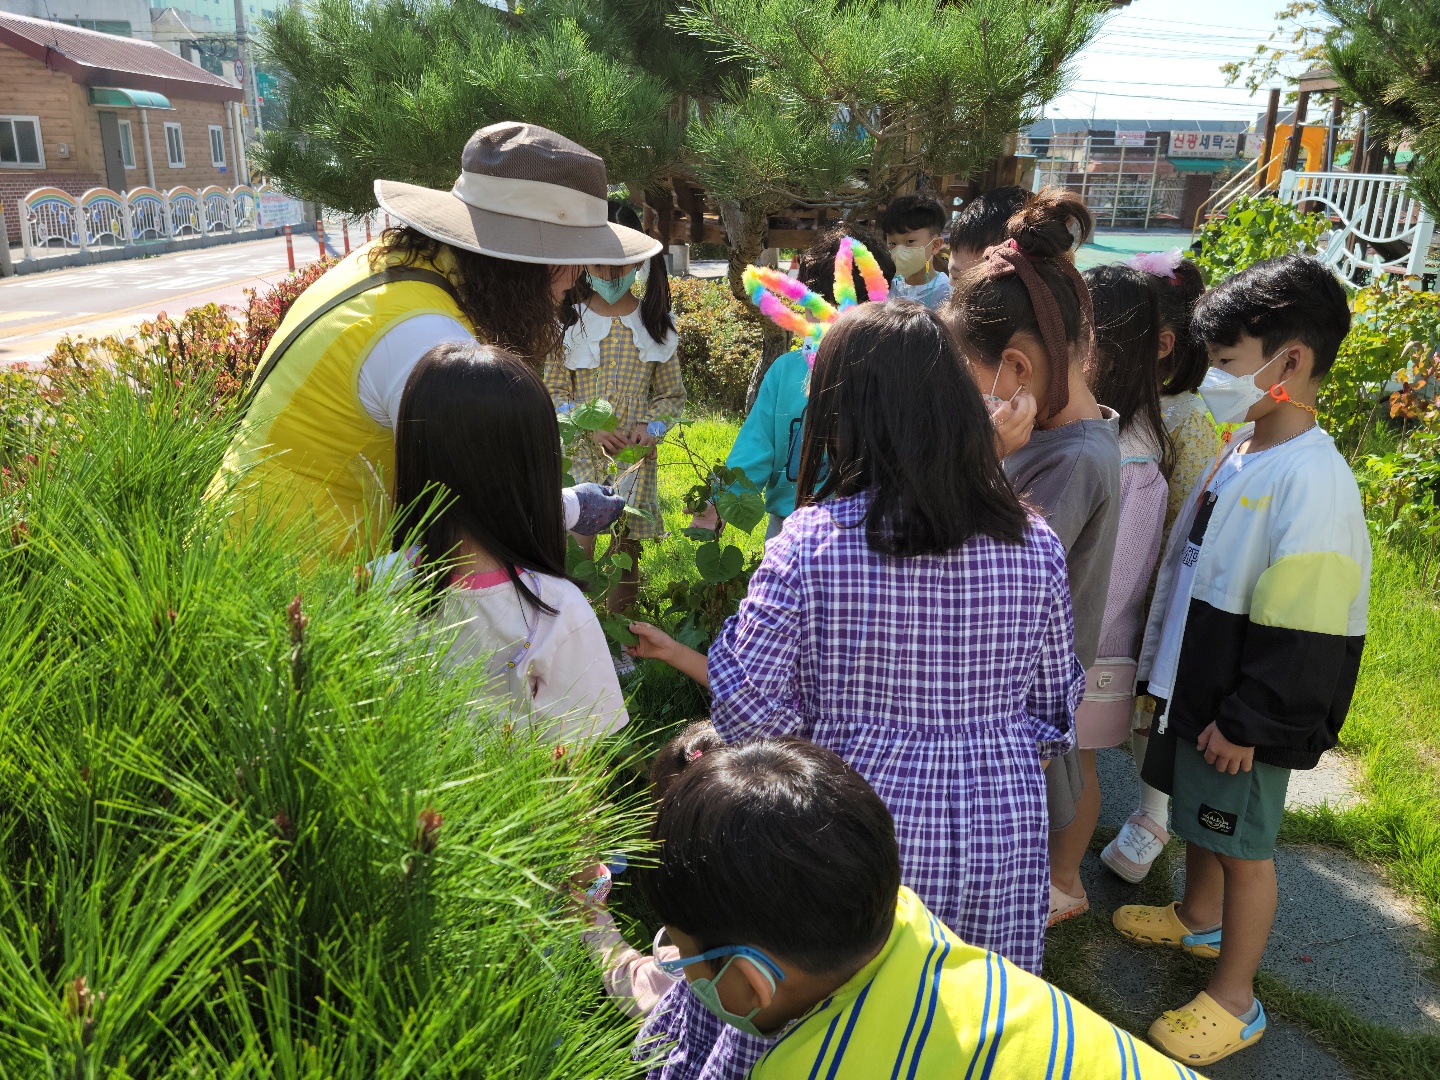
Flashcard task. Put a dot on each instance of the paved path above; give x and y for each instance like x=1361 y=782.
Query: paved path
x=1339 y=931
x=36 y=310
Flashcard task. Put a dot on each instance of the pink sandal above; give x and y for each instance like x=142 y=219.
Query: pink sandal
x=1064 y=906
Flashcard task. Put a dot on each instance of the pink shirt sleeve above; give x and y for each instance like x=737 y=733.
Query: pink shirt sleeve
x=1143 y=495
x=632 y=979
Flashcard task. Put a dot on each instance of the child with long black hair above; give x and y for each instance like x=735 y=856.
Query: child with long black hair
x=1181 y=366
x=622 y=349
x=1127 y=331
x=913 y=618
x=1024 y=322
x=477 y=492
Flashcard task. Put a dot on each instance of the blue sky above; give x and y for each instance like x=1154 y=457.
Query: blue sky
x=1160 y=59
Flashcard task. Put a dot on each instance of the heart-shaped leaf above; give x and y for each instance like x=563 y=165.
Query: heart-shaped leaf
x=743 y=509
x=717 y=565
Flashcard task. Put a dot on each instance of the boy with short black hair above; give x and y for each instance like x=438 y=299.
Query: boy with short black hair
x=778 y=876
x=980 y=225
x=913 y=226
x=1255 y=634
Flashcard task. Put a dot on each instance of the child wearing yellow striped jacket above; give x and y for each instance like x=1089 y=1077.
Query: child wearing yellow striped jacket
x=778 y=878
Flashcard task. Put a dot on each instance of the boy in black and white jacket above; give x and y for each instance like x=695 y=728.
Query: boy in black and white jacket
x=1254 y=637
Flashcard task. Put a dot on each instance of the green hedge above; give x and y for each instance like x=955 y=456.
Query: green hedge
x=719 y=344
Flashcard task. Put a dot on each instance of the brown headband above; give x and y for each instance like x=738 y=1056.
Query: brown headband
x=1007 y=258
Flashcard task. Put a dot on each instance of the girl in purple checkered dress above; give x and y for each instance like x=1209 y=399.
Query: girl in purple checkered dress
x=915 y=619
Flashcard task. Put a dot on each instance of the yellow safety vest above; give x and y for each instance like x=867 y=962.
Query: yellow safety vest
x=306 y=446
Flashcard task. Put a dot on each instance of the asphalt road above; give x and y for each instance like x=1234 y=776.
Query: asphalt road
x=37 y=310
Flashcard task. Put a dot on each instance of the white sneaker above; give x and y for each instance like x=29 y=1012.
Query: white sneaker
x=1135 y=848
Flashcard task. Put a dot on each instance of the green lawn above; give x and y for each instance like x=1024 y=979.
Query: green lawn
x=1394 y=730
x=708 y=440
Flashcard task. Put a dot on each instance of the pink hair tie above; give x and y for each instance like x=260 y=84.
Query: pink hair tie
x=693 y=754
x=1161 y=264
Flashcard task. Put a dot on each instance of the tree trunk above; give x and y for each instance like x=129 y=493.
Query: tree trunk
x=745 y=233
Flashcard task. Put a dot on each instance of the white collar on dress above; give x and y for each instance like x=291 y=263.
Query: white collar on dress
x=582 y=341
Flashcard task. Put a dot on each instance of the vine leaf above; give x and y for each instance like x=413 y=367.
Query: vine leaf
x=742 y=509
x=716 y=565
x=617 y=628
x=596 y=415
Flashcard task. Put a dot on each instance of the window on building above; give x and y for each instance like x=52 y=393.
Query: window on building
x=20 y=145
x=217 y=146
x=127 y=144
x=104 y=26
x=174 y=146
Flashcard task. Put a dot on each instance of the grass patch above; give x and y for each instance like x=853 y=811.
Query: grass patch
x=1393 y=731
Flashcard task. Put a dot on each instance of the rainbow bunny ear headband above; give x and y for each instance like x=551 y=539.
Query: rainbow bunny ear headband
x=811 y=314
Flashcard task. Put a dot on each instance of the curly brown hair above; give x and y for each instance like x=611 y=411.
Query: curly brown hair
x=509 y=303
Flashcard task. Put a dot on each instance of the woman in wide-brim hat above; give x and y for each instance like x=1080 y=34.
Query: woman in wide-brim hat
x=488 y=260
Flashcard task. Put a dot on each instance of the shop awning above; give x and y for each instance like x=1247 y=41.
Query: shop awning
x=128 y=99
x=1203 y=165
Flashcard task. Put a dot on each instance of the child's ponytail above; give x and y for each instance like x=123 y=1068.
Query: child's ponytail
x=1050 y=224
x=655 y=306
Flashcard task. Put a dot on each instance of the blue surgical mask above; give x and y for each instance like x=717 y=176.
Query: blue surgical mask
x=707 y=991
x=612 y=290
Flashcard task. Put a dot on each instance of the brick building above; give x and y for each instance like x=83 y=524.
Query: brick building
x=81 y=109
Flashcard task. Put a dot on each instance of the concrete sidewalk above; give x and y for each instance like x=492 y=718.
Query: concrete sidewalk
x=1340 y=932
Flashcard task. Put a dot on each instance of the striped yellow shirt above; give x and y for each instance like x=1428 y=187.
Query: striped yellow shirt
x=930 y=1006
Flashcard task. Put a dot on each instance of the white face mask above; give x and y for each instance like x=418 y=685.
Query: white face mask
x=1229 y=397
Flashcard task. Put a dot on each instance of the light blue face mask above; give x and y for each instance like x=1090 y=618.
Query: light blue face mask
x=612 y=290
x=707 y=991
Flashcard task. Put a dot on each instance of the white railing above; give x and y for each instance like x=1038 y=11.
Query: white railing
x=1370 y=211
x=52 y=219
x=219 y=210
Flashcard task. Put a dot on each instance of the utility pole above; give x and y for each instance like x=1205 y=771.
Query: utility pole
x=248 y=84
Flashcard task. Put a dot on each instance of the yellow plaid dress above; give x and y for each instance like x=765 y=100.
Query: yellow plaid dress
x=617 y=359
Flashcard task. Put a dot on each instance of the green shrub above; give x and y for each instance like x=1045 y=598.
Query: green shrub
x=1394 y=331
x=719 y=344
x=1255 y=228
x=250 y=823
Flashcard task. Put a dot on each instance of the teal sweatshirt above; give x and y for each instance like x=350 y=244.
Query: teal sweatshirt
x=768 y=446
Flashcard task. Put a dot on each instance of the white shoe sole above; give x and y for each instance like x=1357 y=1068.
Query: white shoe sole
x=1122 y=867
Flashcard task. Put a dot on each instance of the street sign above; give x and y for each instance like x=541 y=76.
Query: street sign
x=279 y=209
x=1130 y=138
x=240 y=72
x=1213 y=144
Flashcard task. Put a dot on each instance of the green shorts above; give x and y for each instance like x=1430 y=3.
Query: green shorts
x=1235 y=815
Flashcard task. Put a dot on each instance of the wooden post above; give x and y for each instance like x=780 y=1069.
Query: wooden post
x=1357 y=148
x=1292 y=145
x=1119 y=180
x=1332 y=136
x=1154 y=168
x=1272 y=112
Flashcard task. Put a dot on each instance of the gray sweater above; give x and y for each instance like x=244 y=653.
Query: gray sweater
x=1071 y=475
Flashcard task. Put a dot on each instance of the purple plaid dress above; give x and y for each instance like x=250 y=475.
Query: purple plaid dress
x=943 y=680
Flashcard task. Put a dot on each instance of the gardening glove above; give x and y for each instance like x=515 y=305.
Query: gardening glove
x=600 y=508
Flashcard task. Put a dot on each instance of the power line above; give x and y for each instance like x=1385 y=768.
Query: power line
x=1182 y=86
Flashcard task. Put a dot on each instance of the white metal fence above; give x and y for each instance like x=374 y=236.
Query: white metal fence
x=1380 y=227
x=52 y=219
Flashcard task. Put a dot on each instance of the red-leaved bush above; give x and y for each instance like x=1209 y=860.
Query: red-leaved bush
x=208 y=344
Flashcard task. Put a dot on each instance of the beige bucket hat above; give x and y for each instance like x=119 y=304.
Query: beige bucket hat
x=525 y=194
